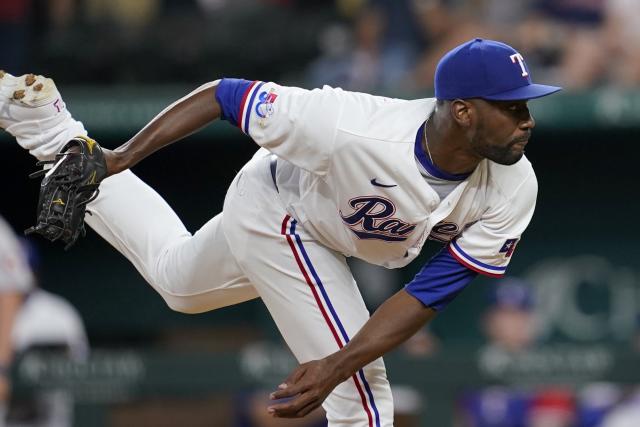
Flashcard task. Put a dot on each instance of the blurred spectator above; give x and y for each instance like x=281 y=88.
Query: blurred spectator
x=15 y=281
x=520 y=24
x=586 y=13
x=493 y=407
x=33 y=319
x=500 y=406
x=552 y=408
x=443 y=27
x=401 y=41
x=502 y=15
x=359 y=68
x=509 y=321
x=372 y=56
x=47 y=322
x=508 y=324
x=584 y=56
x=622 y=38
x=332 y=67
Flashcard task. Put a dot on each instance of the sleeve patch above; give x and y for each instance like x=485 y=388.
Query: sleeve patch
x=508 y=247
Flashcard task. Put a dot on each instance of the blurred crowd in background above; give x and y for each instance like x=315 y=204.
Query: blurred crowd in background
x=383 y=45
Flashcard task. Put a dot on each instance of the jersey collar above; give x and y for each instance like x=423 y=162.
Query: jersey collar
x=432 y=169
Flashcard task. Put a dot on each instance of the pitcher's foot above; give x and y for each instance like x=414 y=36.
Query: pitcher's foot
x=28 y=97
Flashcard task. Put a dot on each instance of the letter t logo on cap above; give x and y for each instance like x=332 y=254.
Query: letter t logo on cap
x=517 y=57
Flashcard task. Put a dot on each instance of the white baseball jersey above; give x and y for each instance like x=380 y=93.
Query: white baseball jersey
x=348 y=174
x=15 y=275
x=349 y=179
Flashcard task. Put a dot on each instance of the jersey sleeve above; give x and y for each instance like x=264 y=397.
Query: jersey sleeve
x=440 y=281
x=487 y=245
x=15 y=274
x=296 y=124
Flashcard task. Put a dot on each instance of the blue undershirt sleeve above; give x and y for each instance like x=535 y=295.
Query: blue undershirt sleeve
x=440 y=281
x=230 y=93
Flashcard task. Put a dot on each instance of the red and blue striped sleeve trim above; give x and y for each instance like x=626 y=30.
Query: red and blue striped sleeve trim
x=236 y=98
x=473 y=264
x=440 y=281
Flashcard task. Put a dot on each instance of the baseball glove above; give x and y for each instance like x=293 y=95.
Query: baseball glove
x=66 y=188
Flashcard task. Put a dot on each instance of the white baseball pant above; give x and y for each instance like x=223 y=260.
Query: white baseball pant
x=252 y=249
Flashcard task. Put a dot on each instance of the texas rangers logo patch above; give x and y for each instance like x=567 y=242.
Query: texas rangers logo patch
x=371 y=219
x=508 y=247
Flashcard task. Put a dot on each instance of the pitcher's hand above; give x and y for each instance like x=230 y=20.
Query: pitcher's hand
x=307 y=386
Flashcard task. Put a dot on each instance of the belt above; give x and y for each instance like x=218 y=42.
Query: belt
x=273 y=166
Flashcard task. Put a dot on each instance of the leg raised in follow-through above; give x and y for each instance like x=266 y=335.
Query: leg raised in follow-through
x=192 y=273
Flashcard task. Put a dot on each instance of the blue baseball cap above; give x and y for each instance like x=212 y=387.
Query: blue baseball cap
x=512 y=292
x=486 y=69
